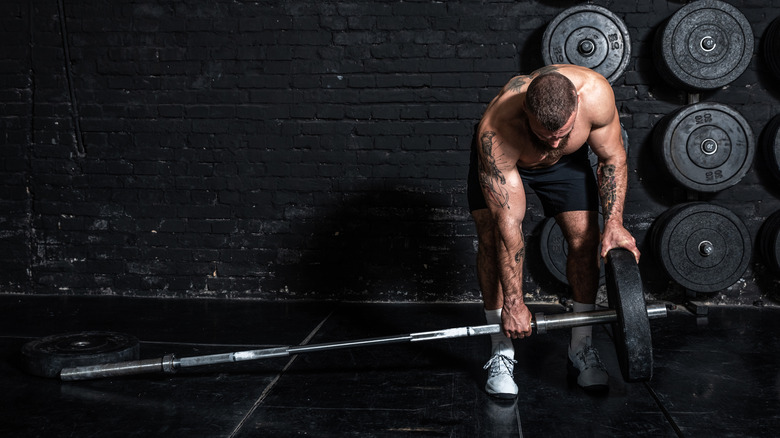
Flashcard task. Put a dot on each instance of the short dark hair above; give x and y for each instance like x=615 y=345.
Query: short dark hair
x=551 y=98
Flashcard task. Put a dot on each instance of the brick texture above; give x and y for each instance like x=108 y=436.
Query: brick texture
x=299 y=149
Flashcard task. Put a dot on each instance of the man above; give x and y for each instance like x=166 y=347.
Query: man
x=534 y=133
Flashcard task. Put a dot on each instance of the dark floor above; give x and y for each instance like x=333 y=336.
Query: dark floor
x=714 y=376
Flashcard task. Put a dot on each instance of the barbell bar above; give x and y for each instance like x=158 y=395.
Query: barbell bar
x=170 y=364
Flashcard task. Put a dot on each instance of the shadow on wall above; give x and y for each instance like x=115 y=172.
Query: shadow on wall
x=531 y=58
x=398 y=244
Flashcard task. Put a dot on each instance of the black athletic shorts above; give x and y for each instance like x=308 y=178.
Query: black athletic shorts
x=568 y=185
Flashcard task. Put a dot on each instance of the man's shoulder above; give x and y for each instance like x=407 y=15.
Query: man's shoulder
x=517 y=84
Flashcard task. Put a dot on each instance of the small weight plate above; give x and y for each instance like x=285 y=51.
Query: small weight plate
x=770 y=145
x=701 y=246
x=705 y=45
x=46 y=357
x=633 y=341
x=705 y=147
x=769 y=241
x=589 y=36
x=555 y=250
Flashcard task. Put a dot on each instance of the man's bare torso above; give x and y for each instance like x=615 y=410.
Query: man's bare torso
x=506 y=119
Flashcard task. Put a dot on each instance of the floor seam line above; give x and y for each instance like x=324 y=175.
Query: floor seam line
x=664 y=411
x=667 y=415
x=276 y=379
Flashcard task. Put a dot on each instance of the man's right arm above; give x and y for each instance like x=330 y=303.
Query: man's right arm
x=503 y=190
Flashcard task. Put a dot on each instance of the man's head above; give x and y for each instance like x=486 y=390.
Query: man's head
x=551 y=99
x=551 y=105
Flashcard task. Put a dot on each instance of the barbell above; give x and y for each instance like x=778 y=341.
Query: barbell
x=628 y=314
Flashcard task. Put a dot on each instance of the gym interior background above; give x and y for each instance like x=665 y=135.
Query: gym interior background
x=296 y=150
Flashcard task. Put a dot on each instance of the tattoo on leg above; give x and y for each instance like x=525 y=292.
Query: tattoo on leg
x=490 y=177
x=607 y=189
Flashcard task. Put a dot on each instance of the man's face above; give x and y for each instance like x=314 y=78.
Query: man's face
x=547 y=140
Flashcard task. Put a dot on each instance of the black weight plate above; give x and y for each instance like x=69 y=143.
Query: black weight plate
x=705 y=45
x=589 y=36
x=46 y=357
x=633 y=341
x=705 y=147
x=555 y=250
x=771 y=47
x=769 y=241
x=770 y=144
x=703 y=247
x=659 y=224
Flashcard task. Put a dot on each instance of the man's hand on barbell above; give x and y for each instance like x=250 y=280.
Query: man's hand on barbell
x=515 y=319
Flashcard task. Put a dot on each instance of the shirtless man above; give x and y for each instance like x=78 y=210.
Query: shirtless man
x=533 y=133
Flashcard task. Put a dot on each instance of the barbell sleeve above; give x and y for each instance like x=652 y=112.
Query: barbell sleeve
x=165 y=364
x=542 y=323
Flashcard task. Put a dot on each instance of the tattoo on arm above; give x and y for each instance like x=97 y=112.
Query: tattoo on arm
x=490 y=177
x=516 y=84
x=607 y=189
x=519 y=255
x=544 y=70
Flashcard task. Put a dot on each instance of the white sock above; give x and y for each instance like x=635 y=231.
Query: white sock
x=584 y=333
x=494 y=317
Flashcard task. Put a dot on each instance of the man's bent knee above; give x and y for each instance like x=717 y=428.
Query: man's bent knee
x=583 y=244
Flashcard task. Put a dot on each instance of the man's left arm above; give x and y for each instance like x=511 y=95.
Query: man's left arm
x=607 y=143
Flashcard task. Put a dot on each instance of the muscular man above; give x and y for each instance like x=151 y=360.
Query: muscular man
x=534 y=133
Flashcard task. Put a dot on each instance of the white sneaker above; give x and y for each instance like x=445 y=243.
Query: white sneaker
x=585 y=364
x=501 y=382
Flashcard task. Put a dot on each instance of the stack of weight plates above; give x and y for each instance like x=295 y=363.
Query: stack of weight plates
x=771 y=47
x=770 y=144
x=769 y=242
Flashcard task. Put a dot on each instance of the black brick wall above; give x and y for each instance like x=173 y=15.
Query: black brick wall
x=16 y=127
x=298 y=149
